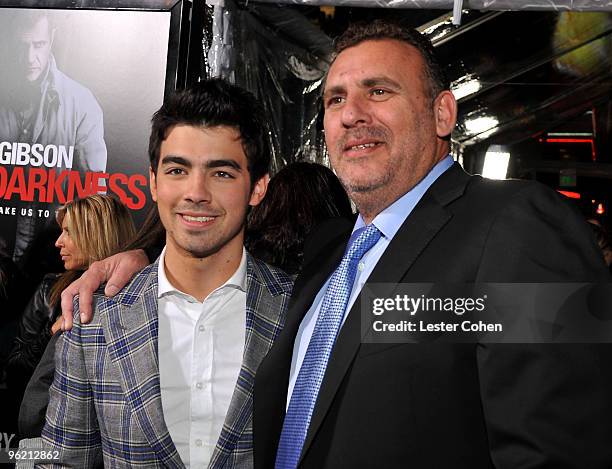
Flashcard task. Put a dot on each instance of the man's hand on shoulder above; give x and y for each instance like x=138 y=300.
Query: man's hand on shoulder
x=116 y=270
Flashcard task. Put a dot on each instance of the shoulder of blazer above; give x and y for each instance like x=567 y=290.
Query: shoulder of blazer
x=486 y=193
x=274 y=279
x=483 y=193
x=143 y=280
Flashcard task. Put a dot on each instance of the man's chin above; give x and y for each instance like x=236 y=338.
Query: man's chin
x=202 y=244
x=201 y=252
x=364 y=186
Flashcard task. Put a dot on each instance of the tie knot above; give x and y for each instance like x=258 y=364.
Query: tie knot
x=361 y=241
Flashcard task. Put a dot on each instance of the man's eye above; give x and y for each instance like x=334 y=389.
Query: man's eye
x=175 y=171
x=224 y=174
x=379 y=92
x=334 y=100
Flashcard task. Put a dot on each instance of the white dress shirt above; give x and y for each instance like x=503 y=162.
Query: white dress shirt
x=388 y=222
x=200 y=355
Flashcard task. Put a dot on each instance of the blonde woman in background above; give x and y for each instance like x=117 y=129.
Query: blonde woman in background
x=93 y=228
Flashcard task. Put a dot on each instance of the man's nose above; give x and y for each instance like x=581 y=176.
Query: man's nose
x=31 y=55
x=198 y=188
x=355 y=112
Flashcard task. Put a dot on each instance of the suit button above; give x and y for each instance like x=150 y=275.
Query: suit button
x=198 y=442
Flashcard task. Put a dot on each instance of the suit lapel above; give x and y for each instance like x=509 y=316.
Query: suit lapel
x=266 y=303
x=273 y=374
x=131 y=332
x=307 y=285
x=425 y=221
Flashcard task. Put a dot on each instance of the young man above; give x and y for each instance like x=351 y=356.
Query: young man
x=163 y=375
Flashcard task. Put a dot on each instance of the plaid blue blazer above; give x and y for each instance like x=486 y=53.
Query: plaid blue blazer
x=105 y=402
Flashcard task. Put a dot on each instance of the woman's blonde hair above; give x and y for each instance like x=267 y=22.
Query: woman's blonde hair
x=100 y=226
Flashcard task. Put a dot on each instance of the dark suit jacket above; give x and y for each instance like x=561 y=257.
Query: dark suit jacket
x=443 y=405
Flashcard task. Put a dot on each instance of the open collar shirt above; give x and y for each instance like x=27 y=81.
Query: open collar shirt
x=201 y=345
x=388 y=222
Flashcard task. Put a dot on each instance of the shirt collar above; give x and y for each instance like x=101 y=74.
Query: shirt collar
x=391 y=218
x=237 y=280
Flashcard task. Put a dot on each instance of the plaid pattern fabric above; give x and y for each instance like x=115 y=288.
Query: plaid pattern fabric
x=105 y=401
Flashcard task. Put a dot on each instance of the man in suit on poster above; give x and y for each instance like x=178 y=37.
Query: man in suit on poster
x=163 y=374
x=323 y=399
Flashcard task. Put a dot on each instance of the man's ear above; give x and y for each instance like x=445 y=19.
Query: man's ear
x=153 y=184
x=445 y=112
x=259 y=190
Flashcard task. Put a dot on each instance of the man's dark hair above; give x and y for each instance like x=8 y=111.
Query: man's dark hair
x=213 y=103
x=359 y=32
x=24 y=20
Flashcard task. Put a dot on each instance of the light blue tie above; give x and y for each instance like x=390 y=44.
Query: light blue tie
x=319 y=349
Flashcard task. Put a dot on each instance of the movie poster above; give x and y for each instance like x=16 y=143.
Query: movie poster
x=78 y=91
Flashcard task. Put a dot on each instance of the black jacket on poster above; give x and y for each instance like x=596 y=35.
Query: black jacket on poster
x=448 y=405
